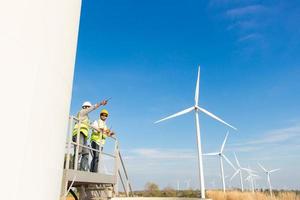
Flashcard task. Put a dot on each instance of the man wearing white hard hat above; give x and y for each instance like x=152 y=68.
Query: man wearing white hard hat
x=83 y=117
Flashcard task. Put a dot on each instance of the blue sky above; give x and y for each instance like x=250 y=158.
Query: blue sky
x=144 y=54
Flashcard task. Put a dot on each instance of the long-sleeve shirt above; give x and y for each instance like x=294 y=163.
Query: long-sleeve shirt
x=83 y=113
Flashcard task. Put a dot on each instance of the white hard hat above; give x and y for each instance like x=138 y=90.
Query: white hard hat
x=87 y=103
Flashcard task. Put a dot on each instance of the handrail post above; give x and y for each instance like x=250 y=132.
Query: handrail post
x=123 y=185
x=116 y=167
x=69 y=142
x=126 y=175
x=127 y=187
x=77 y=145
x=100 y=155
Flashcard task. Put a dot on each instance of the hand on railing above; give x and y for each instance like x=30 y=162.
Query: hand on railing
x=109 y=132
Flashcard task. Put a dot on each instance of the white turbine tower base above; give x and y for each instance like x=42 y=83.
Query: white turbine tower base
x=221 y=156
x=268 y=172
x=197 y=109
x=38 y=47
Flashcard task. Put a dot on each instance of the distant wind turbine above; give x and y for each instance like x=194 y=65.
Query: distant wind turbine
x=221 y=155
x=255 y=183
x=239 y=171
x=188 y=183
x=251 y=178
x=197 y=109
x=268 y=176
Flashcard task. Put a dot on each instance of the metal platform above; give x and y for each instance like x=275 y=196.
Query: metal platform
x=92 y=185
x=85 y=178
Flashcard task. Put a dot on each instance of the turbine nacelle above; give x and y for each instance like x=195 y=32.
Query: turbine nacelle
x=267 y=171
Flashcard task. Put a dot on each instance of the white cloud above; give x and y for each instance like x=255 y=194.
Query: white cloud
x=287 y=135
x=278 y=135
x=244 y=25
x=160 y=154
x=243 y=148
x=160 y=165
x=165 y=166
x=251 y=36
x=219 y=3
x=246 y=10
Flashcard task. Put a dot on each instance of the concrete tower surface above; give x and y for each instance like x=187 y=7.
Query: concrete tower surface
x=38 y=40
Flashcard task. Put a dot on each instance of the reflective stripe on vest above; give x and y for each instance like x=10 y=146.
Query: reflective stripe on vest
x=98 y=136
x=84 y=127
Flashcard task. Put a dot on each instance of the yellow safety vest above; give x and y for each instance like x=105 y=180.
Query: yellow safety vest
x=98 y=136
x=84 y=127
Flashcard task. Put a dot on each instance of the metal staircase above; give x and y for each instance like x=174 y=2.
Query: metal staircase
x=91 y=185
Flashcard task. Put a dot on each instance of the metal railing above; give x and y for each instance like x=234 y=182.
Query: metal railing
x=118 y=161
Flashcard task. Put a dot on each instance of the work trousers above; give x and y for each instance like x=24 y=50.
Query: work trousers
x=83 y=153
x=95 y=161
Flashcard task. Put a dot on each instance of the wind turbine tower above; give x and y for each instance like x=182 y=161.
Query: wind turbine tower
x=268 y=172
x=38 y=48
x=196 y=108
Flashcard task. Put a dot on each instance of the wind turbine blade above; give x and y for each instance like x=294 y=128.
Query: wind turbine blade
x=228 y=161
x=247 y=170
x=215 y=117
x=236 y=160
x=235 y=173
x=222 y=148
x=211 y=154
x=274 y=170
x=197 y=87
x=176 y=114
x=262 y=167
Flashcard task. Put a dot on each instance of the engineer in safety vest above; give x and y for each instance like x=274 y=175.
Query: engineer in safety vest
x=82 y=115
x=98 y=138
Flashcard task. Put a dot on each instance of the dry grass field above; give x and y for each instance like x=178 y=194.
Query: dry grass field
x=237 y=195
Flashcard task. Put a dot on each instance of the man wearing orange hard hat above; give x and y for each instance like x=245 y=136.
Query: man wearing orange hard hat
x=99 y=135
